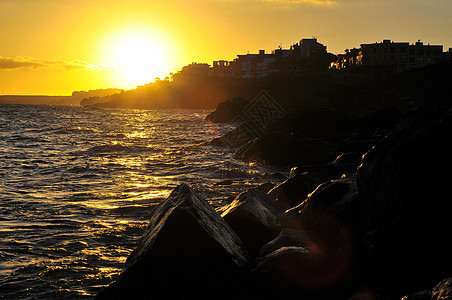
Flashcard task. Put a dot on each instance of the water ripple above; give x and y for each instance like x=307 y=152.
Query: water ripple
x=78 y=187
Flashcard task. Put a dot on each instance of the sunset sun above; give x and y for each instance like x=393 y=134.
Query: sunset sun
x=138 y=58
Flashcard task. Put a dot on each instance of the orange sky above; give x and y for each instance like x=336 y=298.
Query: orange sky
x=55 y=47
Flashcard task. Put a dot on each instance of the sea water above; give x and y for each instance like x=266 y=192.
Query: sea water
x=77 y=187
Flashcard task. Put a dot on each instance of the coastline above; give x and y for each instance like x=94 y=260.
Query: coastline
x=336 y=229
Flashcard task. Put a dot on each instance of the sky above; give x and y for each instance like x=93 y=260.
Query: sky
x=54 y=47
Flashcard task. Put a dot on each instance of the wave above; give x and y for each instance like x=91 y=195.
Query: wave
x=113 y=148
x=69 y=130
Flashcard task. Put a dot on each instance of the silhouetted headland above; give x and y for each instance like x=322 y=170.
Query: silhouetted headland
x=73 y=100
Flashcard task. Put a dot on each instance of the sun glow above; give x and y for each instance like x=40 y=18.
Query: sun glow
x=138 y=57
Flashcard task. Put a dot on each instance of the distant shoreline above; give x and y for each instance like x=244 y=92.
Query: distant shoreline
x=39 y=99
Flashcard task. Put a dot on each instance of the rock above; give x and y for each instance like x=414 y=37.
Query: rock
x=403 y=186
x=334 y=201
x=294 y=190
x=349 y=160
x=312 y=123
x=298 y=273
x=252 y=216
x=225 y=182
x=345 y=163
x=284 y=149
x=442 y=291
x=326 y=171
x=228 y=110
x=188 y=251
x=316 y=247
x=286 y=238
x=421 y=295
x=265 y=187
x=382 y=120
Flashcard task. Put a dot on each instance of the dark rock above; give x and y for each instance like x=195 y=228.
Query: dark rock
x=225 y=182
x=294 y=190
x=228 y=110
x=403 y=185
x=336 y=200
x=316 y=254
x=286 y=238
x=265 y=187
x=442 y=291
x=313 y=123
x=347 y=159
x=252 y=216
x=326 y=171
x=188 y=251
x=297 y=139
x=358 y=143
x=382 y=120
x=299 y=272
x=284 y=149
x=421 y=295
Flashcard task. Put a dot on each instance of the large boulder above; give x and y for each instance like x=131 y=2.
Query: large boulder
x=284 y=149
x=252 y=215
x=331 y=202
x=287 y=237
x=294 y=190
x=404 y=185
x=313 y=256
x=442 y=291
x=295 y=272
x=188 y=251
x=227 y=111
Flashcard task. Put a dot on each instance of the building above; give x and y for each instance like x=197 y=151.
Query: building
x=400 y=56
x=347 y=60
x=222 y=68
x=253 y=65
x=307 y=55
x=310 y=47
x=391 y=56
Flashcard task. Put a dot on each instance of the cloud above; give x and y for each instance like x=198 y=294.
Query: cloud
x=313 y=2
x=14 y=63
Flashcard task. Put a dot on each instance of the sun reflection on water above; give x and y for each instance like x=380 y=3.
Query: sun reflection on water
x=76 y=203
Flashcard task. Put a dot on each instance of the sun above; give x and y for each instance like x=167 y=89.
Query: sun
x=138 y=57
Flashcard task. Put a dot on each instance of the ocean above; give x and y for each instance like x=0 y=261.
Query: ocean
x=77 y=187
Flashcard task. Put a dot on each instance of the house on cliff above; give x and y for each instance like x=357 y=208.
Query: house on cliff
x=390 y=56
x=307 y=55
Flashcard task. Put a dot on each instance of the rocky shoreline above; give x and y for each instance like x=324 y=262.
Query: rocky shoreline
x=364 y=215
x=331 y=231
